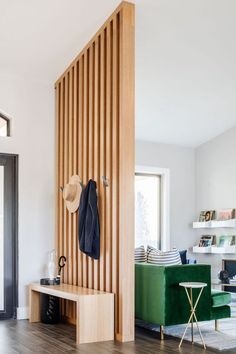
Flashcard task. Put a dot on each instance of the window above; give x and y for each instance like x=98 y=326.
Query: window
x=4 y=126
x=147 y=210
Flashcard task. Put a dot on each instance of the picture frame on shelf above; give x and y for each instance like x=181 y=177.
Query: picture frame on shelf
x=226 y=240
x=207 y=241
x=207 y=215
x=226 y=214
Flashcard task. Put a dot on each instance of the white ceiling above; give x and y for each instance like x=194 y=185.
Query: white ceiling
x=185 y=58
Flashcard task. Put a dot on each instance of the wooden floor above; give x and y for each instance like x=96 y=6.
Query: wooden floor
x=27 y=338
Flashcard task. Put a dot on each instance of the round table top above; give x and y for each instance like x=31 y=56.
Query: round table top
x=193 y=284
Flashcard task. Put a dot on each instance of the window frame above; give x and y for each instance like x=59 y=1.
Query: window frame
x=4 y=117
x=165 y=200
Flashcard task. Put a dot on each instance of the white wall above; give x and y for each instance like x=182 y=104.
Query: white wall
x=30 y=105
x=181 y=163
x=216 y=185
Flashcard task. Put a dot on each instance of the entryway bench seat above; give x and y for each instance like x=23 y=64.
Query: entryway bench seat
x=94 y=310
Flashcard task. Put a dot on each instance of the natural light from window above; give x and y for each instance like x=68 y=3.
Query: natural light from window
x=3 y=126
x=147 y=210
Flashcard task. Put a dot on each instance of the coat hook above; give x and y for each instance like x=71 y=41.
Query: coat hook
x=105 y=181
x=61 y=188
x=81 y=183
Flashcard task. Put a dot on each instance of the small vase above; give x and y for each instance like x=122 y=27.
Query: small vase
x=52 y=265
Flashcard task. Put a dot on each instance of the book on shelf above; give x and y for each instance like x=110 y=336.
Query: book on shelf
x=207 y=241
x=225 y=214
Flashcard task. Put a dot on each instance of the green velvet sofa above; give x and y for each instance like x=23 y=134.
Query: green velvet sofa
x=160 y=300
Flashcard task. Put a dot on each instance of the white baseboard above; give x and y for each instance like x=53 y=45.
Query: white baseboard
x=22 y=313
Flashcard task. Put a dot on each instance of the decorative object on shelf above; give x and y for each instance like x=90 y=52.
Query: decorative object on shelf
x=52 y=279
x=71 y=193
x=233 y=280
x=61 y=264
x=226 y=214
x=223 y=275
x=207 y=215
x=225 y=240
x=207 y=241
x=52 y=265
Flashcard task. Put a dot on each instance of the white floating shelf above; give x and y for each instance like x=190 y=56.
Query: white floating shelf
x=197 y=249
x=226 y=249
x=201 y=225
x=214 y=224
x=215 y=250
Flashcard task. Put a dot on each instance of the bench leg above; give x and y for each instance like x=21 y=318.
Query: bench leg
x=34 y=306
x=216 y=325
x=95 y=318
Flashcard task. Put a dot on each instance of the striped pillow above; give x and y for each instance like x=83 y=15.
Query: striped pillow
x=150 y=248
x=163 y=258
x=140 y=254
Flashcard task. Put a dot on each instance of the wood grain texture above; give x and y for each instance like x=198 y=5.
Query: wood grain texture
x=95 y=138
x=95 y=318
x=94 y=310
x=30 y=338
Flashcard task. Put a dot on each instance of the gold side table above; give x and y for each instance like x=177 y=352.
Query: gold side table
x=188 y=287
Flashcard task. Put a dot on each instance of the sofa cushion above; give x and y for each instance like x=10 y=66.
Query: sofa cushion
x=220 y=312
x=167 y=258
x=220 y=298
x=140 y=254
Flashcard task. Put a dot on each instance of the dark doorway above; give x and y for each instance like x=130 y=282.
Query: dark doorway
x=8 y=235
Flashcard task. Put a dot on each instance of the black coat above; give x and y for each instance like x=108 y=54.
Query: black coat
x=89 y=233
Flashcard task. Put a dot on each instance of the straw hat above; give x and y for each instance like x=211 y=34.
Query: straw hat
x=71 y=193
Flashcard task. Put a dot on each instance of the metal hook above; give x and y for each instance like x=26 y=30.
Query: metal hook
x=81 y=183
x=105 y=181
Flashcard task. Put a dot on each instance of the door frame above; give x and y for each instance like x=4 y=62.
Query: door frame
x=15 y=252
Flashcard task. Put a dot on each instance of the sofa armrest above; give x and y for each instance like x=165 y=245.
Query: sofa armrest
x=150 y=293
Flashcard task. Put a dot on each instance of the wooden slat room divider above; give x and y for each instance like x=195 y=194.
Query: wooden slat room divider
x=95 y=138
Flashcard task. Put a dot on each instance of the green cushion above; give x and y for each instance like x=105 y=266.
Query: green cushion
x=220 y=312
x=220 y=298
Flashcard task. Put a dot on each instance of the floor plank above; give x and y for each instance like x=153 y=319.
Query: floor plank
x=22 y=337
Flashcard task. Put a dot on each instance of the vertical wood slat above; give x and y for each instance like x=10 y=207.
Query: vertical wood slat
x=80 y=151
x=96 y=140
x=108 y=159
x=60 y=146
x=102 y=265
x=65 y=177
x=75 y=172
x=95 y=132
x=85 y=151
x=90 y=142
x=114 y=172
x=126 y=174
x=70 y=168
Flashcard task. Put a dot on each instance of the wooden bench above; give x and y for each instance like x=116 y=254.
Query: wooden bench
x=94 y=310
